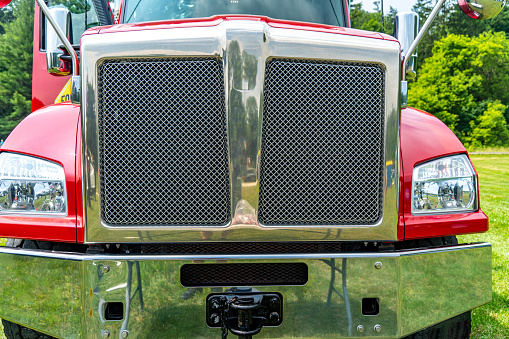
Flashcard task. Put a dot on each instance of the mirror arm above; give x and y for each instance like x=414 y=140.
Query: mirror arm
x=419 y=37
x=63 y=38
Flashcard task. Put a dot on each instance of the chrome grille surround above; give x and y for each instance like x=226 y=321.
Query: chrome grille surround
x=243 y=47
x=322 y=154
x=162 y=142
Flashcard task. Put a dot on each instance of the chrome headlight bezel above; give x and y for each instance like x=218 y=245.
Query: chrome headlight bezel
x=36 y=186
x=452 y=174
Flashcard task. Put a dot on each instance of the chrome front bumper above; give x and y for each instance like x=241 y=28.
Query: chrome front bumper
x=65 y=294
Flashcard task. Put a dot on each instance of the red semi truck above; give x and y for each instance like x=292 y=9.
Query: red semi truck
x=243 y=168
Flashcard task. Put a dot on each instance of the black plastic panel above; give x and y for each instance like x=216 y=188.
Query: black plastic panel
x=277 y=274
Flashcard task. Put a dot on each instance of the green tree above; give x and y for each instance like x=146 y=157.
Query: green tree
x=438 y=28
x=389 y=20
x=358 y=16
x=461 y=77
x=5 y=17
x=372 y=21
x=16 y=67
x=500 y=23
x=461 y=24
x=452 y=20
x=490 y=128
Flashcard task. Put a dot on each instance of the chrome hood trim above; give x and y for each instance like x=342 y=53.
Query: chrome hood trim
x=230 y=41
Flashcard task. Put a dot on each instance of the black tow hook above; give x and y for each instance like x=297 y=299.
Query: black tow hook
x=244 y=314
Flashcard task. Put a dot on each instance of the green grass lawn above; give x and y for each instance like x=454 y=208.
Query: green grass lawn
x=492 y=320
x=488 y=150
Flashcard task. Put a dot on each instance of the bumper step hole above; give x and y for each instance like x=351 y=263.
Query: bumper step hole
x=114 y=311
x=370 y=306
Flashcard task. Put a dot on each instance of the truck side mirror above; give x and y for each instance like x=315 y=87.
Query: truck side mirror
x=406 y=28
x=4 y=3
x=62 y=17
x=482 y=9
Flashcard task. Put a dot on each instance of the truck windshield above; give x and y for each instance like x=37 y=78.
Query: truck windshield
x=329 y=12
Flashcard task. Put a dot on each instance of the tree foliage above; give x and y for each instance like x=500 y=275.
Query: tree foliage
x=5 y=17
x=490 y=128
x=463 y=80
x=452 y=20
x=372 y=21
x=16 y=66
x=449 y=20
x=464 y=69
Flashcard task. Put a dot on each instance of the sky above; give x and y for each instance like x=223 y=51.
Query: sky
x=400 y=5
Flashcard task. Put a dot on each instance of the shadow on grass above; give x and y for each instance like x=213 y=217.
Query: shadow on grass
x=486 y=322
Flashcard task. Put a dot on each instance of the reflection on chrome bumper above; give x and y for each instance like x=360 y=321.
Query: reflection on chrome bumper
x=65 y=295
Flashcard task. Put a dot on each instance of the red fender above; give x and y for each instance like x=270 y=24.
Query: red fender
x=424 y=137
x=49 y=133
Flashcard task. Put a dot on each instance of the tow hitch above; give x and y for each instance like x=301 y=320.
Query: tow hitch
x=244 y=312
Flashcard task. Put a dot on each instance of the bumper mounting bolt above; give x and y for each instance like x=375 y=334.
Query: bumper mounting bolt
x=378 y=328
x=274 y=302
x=360 y=328
x=215 y=318
x=106 y=269
x=124 y=334
x=378 y=265
x=215 y=303
x=274 y=316
x=105 y=334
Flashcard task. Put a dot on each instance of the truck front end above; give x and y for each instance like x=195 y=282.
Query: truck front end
x=251 y=175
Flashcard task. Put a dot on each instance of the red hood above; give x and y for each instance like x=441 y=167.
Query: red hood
x=216 y=20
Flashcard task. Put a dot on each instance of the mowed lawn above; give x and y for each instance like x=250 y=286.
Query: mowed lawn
x=492 y=320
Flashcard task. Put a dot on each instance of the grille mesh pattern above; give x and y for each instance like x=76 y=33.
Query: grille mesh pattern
x=162 y=142
x=322 y=143
x=278 y=274
x=243 y=248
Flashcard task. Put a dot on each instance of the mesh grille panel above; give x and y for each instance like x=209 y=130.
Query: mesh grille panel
x=162 y=142
x=279 y=274
x=322 y=143
x=243 y=248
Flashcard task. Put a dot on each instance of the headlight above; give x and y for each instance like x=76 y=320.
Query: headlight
x=31 y=185
x=444 y=185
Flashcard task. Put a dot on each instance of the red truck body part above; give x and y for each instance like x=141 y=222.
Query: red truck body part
x=422 y=136
x=59 y=148
x=45 y=86
x=131 y=260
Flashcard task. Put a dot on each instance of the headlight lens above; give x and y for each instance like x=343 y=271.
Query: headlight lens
x=444 y=185
x=31 y=185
